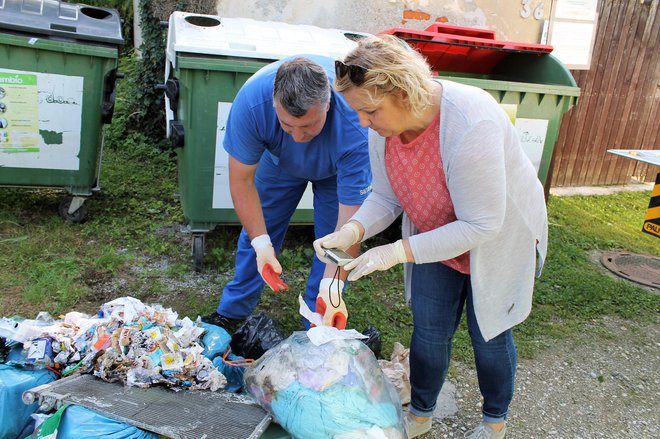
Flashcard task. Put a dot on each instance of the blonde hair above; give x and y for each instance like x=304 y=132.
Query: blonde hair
x=392 y=66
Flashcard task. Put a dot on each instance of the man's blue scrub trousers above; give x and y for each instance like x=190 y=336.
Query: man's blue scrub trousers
x=280 y=194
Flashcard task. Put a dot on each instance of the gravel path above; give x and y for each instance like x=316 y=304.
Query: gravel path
x=605 y=385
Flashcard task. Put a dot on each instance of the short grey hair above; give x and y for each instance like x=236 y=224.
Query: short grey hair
x=299 y=85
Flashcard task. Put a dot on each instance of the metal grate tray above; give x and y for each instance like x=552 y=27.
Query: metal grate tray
x=177 y=415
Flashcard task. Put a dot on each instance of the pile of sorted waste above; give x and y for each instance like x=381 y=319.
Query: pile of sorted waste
x=128 y=341
x=325 y=374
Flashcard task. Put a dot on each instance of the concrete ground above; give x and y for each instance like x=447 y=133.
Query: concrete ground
x=600 y=190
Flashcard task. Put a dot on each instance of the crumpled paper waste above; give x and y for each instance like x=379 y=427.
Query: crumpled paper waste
x=128 y=341
x=397 y=370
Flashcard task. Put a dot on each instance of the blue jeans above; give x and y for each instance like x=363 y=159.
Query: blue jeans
x=279 y=194
x=438 y=296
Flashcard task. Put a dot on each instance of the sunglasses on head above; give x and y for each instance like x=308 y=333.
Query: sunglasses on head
x=355 y=73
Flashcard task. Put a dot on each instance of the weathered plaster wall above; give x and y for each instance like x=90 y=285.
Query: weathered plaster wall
x=503 y=16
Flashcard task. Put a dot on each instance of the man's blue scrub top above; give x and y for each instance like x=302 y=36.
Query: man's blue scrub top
x=339 y=150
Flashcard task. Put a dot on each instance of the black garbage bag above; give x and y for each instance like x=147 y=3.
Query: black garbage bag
x=4 y=350
x=258 y=334
x=373 y=342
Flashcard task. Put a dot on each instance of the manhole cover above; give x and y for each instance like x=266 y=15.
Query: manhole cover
x=643 y=269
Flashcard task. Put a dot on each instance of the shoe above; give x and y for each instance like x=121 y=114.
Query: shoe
x=416 y=428
x=228 y=324
x=484 y=431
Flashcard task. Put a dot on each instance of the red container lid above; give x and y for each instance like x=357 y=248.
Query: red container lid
x=451 y=48
x=442 y=28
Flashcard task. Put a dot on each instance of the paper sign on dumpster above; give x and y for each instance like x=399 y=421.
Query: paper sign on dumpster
x=40 y=120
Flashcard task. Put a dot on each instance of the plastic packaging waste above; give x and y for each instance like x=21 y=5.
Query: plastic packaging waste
x=138 y=344
x=46 y=426
x=8 y=328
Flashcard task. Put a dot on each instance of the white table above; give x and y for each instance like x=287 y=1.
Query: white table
x=650 y=156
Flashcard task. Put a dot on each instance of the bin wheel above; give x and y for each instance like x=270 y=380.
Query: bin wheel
x=198 y=252
x=78 y=216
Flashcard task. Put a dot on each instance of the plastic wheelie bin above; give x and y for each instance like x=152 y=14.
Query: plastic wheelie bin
x=208 y=60
x=533 y=86
x=58 y=66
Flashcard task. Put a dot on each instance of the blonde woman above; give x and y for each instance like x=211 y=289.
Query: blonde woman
x=474 y=219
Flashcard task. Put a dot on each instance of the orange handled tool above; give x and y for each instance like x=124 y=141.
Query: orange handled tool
x=273 y=279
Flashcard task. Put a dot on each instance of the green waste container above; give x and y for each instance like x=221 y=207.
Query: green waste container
x=209 y=58
x=58 y=66
x=534 y=87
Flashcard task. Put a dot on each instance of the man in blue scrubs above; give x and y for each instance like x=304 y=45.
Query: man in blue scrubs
x=287 y=127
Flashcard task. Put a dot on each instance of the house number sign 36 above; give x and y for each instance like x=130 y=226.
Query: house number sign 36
x=526 y=9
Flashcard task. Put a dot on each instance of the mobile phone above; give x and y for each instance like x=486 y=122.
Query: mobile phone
x=339 y=257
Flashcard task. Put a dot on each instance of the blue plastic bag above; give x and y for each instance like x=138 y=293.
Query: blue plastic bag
x=80 y=423
x=233 y=373
x=14 y=415
x=216 y=341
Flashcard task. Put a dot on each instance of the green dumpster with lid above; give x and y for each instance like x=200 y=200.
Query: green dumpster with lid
x=58 y=66
x=209 y=58
x=533 y=86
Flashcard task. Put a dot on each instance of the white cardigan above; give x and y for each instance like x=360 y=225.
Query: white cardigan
x=498 y=200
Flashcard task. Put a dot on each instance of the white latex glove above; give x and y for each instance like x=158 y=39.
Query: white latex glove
x=342 y=239
x=265 y=254
x=378 y=258
x=330 y=303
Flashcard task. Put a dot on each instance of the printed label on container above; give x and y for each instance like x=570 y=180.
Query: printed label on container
x=221 y=195
x=40 y=120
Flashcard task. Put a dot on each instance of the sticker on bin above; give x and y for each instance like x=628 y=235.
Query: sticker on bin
x=40 y=120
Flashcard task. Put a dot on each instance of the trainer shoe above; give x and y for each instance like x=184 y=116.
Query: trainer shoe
x=414 y=427
x=228 y=324
x=484 y=431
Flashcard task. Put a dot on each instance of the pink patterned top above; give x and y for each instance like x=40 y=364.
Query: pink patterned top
x=418 y=180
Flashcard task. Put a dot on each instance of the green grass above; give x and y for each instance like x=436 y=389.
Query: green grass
x=47 y=264
x=133 y=244
x=573 y=290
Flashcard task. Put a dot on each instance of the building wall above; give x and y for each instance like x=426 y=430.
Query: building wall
x=373 y=16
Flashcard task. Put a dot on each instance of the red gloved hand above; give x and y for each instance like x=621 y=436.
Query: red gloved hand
x=266 y=257
x=330 y=303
